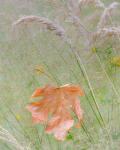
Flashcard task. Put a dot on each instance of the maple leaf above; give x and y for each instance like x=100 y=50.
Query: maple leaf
x=57 y=102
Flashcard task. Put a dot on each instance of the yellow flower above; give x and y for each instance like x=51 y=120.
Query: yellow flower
x=94 y=49
x=116 y=60
x=39 y=69
x=18 y=117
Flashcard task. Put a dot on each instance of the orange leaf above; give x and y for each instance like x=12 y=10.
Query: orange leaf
x=58 y=103
x=37 y=92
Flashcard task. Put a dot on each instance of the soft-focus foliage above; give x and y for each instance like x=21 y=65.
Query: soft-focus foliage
x=56 y=42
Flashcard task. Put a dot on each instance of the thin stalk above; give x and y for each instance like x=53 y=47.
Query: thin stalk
x=83 y=70
x=108 y=78
x=91 y=89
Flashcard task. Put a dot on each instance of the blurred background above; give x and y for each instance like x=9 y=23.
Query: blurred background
x=27 y=49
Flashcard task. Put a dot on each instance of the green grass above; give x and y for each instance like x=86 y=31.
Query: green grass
x=21 y=51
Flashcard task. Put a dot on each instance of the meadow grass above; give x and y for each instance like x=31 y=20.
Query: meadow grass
x=89 y=65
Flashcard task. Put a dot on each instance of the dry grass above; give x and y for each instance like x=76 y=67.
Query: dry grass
x=106 y=15
x=9 y=138
x=97 y=3
x=50 y=25
x=107 y=32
